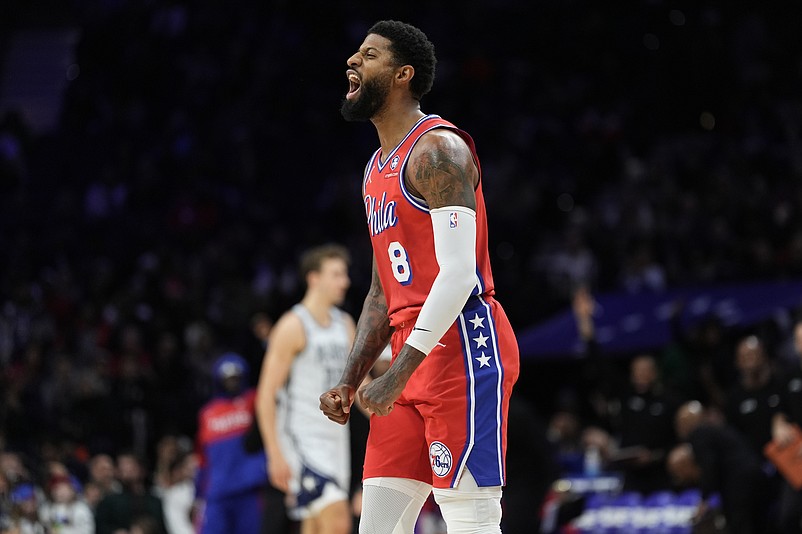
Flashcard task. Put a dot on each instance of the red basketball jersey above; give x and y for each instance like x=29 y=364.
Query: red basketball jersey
x=401 y=228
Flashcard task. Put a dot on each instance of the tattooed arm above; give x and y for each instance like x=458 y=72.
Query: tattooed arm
x=441 y=171
x=372 y=335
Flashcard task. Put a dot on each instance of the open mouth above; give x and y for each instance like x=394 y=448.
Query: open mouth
x=354 y=83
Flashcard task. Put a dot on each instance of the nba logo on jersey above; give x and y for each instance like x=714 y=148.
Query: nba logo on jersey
x=452 y=219
x=441 y=459
x=394 y=163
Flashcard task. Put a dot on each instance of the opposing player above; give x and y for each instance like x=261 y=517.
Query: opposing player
x=308 y=457
x=440 y=411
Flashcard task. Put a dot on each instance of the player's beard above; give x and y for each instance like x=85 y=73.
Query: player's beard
x=372 y=96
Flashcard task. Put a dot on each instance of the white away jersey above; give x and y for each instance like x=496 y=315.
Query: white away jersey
x=311 y=439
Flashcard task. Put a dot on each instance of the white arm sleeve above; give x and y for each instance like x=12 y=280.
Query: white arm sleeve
x=455 y=248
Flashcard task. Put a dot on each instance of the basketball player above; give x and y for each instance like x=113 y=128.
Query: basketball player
x=308 y=457
x=439 y=413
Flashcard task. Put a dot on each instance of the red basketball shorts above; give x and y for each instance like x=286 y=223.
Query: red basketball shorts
x=453 y=411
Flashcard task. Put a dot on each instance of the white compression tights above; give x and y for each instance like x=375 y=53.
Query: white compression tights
x=392 y=505
x=469 y=509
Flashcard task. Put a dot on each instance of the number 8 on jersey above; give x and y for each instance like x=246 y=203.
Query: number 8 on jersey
x=400 y=262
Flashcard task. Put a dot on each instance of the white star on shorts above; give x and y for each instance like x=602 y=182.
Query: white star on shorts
x=483 y=360
x=309 y=483
x=481 y=341
x=477 y=322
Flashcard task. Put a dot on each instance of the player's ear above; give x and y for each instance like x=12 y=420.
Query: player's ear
x=405 y=74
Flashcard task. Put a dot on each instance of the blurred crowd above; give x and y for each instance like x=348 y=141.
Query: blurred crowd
x=199 y=149
x=705 y=412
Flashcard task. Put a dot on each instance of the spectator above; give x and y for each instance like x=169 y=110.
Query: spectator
x=13 y=468
x=717 y=459
x=66 y=512
x=755 y=399
x=122 y=511
x=92 y=495
x=599 y=381
x=178 y=498
x=643 y=418
x=102 y=474
x=754 y=404
x=25 y=502
x=168 y=449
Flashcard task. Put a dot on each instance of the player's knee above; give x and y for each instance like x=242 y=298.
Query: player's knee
x=469 y=509
x=335 y=519
x=471 y=515
x=391 y=505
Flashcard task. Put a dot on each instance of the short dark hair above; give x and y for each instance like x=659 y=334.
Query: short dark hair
x=410 y=46
x=312 y=260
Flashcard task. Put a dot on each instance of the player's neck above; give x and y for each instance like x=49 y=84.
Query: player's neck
x=395 y=122
x=319 y=307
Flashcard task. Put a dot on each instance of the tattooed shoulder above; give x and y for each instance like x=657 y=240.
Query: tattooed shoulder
x=441 y=170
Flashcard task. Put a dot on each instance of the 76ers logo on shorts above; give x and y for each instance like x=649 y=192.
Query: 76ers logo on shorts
x=440 y=457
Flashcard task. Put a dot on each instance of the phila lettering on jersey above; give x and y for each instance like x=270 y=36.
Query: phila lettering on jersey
x=400 y=227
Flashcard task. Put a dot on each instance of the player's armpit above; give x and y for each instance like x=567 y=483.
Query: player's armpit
x=442 y=171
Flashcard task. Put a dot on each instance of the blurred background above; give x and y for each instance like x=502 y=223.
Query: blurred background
x=164 y=163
